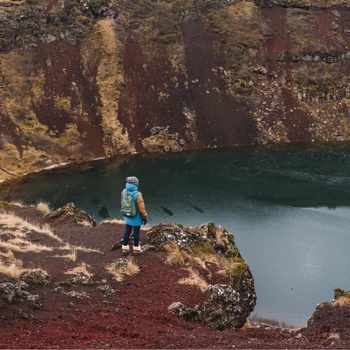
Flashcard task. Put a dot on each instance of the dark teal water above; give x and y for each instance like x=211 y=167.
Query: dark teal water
x=288 y=208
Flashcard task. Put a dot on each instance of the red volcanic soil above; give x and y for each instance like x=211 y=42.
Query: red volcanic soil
x=136 y=314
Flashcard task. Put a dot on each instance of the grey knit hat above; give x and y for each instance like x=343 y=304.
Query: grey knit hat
x=133 y=180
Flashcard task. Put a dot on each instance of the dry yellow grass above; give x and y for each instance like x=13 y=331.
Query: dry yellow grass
x=121 y=267
x=43 y=207
x=203 y=255
x=194 y=279
x=343 y=301
x=131 y=268
x=73 y=251
x=15 y=235
x=81 y=269
x=22 y=246
x=109 y=80
x=17 y=204
x=71 y=255
x=113 y=221
x=175 y=255
x=12 y=269
x=16 y=226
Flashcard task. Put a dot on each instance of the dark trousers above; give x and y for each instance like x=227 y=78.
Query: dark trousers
x=127 y=233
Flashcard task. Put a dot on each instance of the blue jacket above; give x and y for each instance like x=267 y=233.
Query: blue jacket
x=140 y=204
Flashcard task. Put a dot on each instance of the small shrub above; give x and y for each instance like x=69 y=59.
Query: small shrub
x=81 y=270
x=120 y=267
x=175 y=255
x=43 y=207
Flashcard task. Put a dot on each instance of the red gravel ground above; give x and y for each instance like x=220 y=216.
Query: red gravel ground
x=136 y=316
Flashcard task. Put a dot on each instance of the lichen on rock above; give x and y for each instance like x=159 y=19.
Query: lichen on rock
x=72 y=213
x=37 y=276
x=228 y=305
x=14 y=292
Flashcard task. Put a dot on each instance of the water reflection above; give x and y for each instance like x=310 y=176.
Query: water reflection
x=288 y=208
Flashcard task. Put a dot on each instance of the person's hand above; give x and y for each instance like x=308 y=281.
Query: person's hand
x=144 y=221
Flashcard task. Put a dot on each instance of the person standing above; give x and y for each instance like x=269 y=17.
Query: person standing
x=135 y=222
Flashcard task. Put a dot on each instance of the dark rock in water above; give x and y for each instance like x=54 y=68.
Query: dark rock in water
x=196 y=208
x=95 y=200
x=71 y=213
x=167 y=211
x=103 y=213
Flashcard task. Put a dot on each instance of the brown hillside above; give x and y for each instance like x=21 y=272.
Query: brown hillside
x=81 y=80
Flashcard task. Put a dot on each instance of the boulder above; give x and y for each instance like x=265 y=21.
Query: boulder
x=71 y=213
x=184 y=237
x=228 y=305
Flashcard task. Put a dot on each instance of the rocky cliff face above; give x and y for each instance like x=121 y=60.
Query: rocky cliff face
x=98 y=78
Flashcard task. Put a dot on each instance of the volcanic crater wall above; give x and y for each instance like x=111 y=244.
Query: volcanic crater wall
x=81 y=80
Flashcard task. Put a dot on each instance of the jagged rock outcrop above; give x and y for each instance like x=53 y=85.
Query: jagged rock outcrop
x=86 y=79
x=328 y=318
x=70 y=213
x=227 y=305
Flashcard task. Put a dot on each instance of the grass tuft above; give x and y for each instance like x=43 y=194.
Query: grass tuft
x=15 y=234
x=43 y=207
x=121 y=267
x=175 y=255
x=81 y=269
x=194 y=279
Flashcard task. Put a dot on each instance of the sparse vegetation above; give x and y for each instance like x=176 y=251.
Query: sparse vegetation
x=300 y=24
x=121 y=267
x=194 y=279
x=22 y=227
x=175 y=255
x=43 y=207
x=15 y=237
x=62 y=74
x=203 y=255
x=320 y=80
x=81 y=270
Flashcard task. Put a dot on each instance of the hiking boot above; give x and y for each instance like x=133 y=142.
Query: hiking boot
x=138 y=251
x=125 y=250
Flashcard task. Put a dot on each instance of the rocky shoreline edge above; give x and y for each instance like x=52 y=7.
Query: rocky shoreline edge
x=58 y=269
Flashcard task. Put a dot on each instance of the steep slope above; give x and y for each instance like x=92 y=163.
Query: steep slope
x=81 y=80
x=62 y=287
